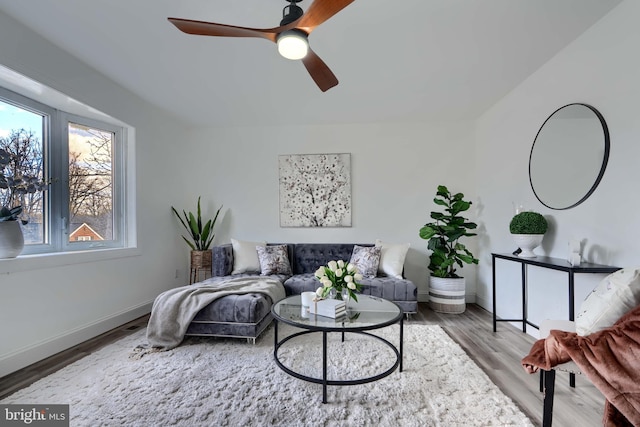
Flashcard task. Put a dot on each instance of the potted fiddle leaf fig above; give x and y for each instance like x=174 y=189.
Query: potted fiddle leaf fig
x=528 y=229
x=200 y=238
x=447 y=251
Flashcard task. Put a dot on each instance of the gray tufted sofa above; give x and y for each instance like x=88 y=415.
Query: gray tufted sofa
x=246 y=316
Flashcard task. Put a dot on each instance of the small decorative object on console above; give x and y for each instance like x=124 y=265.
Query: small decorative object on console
x=338 y=275
x=574 y=257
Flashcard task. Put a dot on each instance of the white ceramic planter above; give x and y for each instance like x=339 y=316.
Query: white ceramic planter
x=11 y=239
x=527 y=242
x=447 y=295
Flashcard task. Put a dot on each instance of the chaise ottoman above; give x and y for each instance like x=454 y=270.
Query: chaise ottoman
x=235 y=316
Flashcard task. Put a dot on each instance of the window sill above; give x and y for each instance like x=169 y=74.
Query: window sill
x=52 y=260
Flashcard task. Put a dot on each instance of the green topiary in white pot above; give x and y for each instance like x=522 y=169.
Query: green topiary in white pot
x=528 y=229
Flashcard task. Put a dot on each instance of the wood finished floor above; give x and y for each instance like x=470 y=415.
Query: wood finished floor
x=498 y=354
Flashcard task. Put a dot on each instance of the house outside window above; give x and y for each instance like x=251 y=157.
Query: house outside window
x=83 y=159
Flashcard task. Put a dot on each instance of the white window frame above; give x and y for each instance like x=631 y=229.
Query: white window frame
x=55 y=140
x=119 y=195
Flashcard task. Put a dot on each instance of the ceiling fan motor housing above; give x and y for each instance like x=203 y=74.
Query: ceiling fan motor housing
x=290 y=13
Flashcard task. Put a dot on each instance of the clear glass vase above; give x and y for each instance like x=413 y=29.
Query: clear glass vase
x=346 y=296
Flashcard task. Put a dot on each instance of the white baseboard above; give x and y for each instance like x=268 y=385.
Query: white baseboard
x=26 y=356
x=423 y=297
x=485 y=303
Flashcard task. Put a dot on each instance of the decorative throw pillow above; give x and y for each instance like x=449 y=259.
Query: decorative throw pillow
x=366 y=260
x=614 y=296
x=245 y=256
x=392 y=257
x=273 y=260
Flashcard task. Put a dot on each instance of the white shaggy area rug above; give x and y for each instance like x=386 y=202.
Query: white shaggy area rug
x=226 y=382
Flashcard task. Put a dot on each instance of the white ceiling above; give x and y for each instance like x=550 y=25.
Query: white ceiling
x=424 y=60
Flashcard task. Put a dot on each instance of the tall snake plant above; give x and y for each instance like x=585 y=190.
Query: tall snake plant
x=201 y=236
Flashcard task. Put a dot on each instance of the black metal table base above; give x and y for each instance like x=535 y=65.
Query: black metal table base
x=552 y=264
x=324 y=380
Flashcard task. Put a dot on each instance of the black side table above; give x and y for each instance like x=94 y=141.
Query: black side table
x=544 y=262
x=553 y=264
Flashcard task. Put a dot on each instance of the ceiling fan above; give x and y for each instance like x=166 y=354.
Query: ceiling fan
x=291 y=36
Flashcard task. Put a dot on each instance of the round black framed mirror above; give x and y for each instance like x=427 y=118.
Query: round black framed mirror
x=569 y=156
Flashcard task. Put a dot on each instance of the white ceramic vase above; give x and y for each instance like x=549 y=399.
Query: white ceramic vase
x=527 y=242
x=11 y=239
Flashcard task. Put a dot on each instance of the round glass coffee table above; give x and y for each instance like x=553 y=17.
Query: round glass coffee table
x=368 y=314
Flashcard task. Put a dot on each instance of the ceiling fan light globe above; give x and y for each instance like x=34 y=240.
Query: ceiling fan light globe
x=293 y=45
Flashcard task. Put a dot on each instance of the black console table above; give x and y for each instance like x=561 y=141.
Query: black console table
x=544 y=262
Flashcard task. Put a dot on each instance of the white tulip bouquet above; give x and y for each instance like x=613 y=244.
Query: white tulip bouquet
x=338 y=275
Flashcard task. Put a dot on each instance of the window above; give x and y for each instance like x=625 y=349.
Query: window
x=22 y=132
x=83 y=160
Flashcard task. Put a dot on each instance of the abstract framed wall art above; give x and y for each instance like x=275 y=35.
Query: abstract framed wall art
x=315 y=190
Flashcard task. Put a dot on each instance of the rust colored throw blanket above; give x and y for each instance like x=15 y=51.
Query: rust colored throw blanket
x=609 y=358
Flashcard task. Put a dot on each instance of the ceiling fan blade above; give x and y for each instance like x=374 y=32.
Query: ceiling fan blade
x=319 y=12
x=202 y=28
x=320 y=73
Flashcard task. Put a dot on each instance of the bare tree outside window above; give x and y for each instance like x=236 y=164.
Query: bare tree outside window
x=90 y=183
x=22 y=140
x=25 y=150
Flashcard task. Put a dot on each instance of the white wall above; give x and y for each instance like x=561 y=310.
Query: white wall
x=51 y=303
x=600 y=68
x=395 y=171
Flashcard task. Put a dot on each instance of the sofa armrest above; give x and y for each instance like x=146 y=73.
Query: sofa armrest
x=222 y=260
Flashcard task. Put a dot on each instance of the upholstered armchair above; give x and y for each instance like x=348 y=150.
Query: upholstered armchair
x=603 y=344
